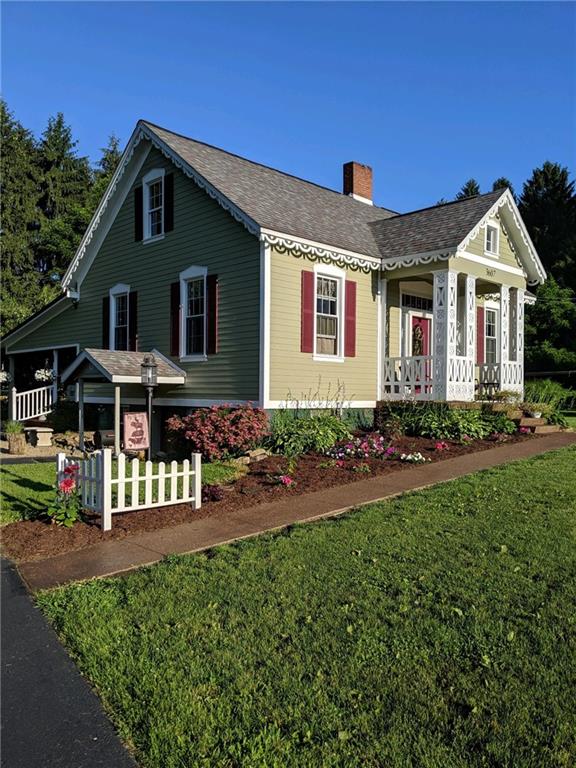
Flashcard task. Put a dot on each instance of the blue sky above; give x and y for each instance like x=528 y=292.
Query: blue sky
x=429 y=94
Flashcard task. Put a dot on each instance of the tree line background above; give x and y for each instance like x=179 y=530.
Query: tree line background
x=48 y=193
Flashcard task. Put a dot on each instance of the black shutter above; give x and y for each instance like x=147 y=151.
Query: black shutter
x=133 y=321
x=169 y=202
x=138 y=214
x=175 y=319
x=106 y=322
x=212 y=315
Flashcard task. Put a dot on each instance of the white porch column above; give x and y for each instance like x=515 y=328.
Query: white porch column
x=516 y=354
x=55 y=374
x=464 y=389
x=81 y=414
x=117 y=419
x=504 y=356
x=382 y=331
x=445 y=330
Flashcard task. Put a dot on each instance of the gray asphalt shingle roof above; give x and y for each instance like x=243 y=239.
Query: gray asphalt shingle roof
x=287 y=204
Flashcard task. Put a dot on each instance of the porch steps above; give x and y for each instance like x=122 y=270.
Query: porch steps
x=526 y=421
x=547 y=429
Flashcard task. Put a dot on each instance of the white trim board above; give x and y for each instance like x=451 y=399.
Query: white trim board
x=43 y=349
x=265 y=319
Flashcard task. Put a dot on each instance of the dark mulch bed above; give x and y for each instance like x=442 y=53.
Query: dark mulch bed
x=37 y=539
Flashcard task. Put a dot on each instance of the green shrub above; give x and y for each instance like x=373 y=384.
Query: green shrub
x=439 y=422
x=13 y=428
x=548 y=392
x=293 y=435
x=358 y=418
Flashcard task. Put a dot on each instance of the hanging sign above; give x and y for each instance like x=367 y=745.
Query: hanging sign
x=135 y=431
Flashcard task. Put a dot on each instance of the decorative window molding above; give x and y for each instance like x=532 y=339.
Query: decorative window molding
x=492 y=240
x=119 y=317
x=153 y=204
x=193 y=316
x=329 y=312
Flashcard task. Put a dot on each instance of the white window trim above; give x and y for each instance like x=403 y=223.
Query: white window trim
x=495 y=307
x=118 y=290
x=192 y=273
x=327 y=270
x=154 y=175
x=496 y=228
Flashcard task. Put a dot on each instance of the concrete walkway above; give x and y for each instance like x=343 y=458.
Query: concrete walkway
x=114 y=557
x=50 y=716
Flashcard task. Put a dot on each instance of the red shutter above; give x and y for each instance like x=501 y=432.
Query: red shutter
x=212 y=314
x=480 y=335
x=307 y=312
x=169 y=202
x=350 y=320
x=175 y=319
x=133 y=321
x=138 y=214
x=106 y=322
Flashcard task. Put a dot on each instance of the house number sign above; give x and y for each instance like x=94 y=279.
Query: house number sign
x=490 y=272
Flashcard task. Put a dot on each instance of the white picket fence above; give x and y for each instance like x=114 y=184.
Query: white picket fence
x=106 y=488
x=32 y=403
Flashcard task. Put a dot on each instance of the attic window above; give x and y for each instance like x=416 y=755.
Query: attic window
x=492 y=239
x=153 y=184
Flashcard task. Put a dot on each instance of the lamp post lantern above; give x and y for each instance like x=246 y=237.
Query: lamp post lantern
x=149 y=379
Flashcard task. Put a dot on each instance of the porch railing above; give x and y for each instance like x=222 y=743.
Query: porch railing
x=498 y=376
x=32 y=403
x=407 y=377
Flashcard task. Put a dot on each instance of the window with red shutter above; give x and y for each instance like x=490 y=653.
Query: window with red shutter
x=307 y=312
x=350 y=320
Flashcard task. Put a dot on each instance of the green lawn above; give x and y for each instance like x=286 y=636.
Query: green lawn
x=26 y=489
x=436 y=630
x=570 y=418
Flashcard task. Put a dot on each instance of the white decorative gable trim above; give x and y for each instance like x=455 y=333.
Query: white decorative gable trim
x=529 y=258
x=416 y=258
x=142 y=132
x=299 y=247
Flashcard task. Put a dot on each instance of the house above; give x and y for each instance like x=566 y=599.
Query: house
x=250 y=284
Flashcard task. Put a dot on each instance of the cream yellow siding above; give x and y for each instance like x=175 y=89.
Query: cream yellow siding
x=295 y=374
x=505 y=253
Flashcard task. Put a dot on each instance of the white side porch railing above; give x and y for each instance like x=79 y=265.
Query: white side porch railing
x=407 y=377
x=32 y=403
x=107 y=488
x=501 y=376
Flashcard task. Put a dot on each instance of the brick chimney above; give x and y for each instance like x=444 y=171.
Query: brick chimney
x=358 y=182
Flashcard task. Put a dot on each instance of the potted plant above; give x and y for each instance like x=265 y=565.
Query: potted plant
x=16 y=437
x=535 y=410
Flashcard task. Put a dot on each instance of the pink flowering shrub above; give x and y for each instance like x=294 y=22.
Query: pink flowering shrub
x=286 y=480
x=66 y=508
x=220 y=431
x=373 y=446
x=441 y=445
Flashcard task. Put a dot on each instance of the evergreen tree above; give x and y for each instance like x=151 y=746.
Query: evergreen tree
x=549 y=328
x=105 y=168
x=20 y=216
x=503 y=183
x=548 y=207
x=470 y=189
x=65 y=185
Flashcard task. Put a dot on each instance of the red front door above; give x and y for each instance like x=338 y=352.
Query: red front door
x=420 y=336
x=421 y=347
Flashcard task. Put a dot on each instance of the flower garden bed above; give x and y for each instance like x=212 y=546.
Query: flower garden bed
x=37 y=539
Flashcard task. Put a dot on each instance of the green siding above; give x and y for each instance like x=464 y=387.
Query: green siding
x=204 y=235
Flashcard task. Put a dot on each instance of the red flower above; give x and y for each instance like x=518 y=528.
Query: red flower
x=67 y=485
x=71 y=469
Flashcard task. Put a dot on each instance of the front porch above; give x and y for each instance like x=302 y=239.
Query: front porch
x=467 y=333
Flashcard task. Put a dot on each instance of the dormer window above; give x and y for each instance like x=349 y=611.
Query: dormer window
x=492 y=233
x=153 y=200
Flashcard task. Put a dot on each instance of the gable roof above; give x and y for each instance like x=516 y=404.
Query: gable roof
x=278 y=201
x=430 y=229
x=121 y=367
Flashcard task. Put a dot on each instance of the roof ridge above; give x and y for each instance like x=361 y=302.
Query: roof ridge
x=448 y=202
x=268 y=167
